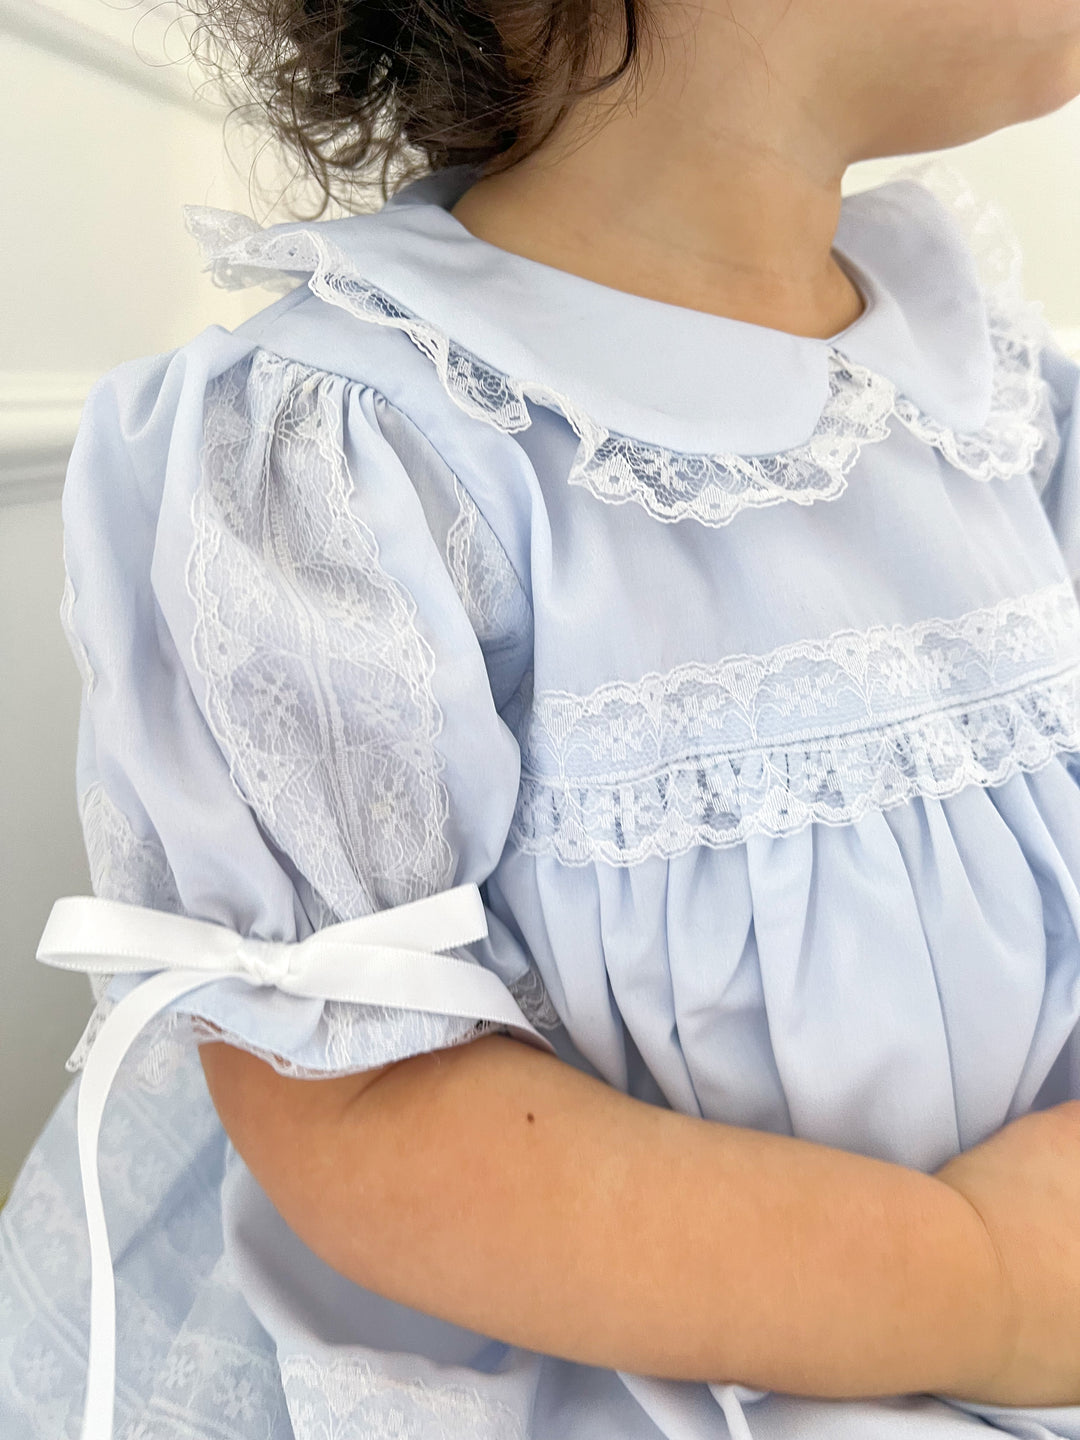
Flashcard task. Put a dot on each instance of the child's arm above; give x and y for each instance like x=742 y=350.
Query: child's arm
x=498 y=1188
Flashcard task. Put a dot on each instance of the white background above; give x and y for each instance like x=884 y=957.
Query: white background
x=104 y=138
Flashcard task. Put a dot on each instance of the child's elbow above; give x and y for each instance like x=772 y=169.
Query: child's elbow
x=279 y=1124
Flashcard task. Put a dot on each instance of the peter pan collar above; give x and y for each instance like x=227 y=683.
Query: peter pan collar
x=687 y=379
x=624 y=365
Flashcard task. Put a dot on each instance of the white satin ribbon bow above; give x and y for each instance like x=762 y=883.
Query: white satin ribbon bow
x=391 y=957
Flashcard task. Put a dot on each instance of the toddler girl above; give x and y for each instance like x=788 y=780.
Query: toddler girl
x=579 y=763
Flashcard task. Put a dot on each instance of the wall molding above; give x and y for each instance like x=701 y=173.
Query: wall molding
x=82 y=44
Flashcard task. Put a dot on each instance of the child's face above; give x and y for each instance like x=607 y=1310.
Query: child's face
x=905 y=76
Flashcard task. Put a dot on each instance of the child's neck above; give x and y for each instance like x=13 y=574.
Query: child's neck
x=714 y=183
x=755 y=252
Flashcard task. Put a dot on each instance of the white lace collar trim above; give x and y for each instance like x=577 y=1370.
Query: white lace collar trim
x=949 y=336
x=702 y=383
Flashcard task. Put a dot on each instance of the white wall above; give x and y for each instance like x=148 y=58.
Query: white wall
x=101 y=150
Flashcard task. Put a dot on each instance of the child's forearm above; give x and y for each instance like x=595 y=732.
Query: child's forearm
x=498 y=1188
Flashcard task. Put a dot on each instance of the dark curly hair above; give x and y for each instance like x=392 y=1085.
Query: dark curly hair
x=361 y=88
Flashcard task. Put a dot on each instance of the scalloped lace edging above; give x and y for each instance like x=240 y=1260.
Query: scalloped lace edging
x=347 y=1038
x=815 y=731
x=1020 y=437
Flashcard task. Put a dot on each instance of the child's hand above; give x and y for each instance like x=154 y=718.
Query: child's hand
x=1024 y=1183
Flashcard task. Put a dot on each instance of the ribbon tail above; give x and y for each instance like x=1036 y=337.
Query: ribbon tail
x=113 y=1041
x=733 y=1412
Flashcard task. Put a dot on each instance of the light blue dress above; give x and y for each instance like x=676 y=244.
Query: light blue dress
x=740 y=670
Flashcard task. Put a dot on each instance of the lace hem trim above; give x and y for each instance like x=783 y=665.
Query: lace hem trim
x=348 y=1038
x=1019 y=438
x=710 y=754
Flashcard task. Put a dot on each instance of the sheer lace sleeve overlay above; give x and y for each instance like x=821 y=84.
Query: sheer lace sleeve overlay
x=287 y=717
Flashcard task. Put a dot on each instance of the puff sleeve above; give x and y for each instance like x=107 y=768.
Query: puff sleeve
x=1059 y=486
x=287 y=717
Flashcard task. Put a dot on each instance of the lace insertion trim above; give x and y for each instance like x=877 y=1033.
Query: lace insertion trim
x=312 y=709
x=766 y=744
x=709 y=488
x=348 y=1398
x=804 y=690
x=776 y=793
x=122 y=867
